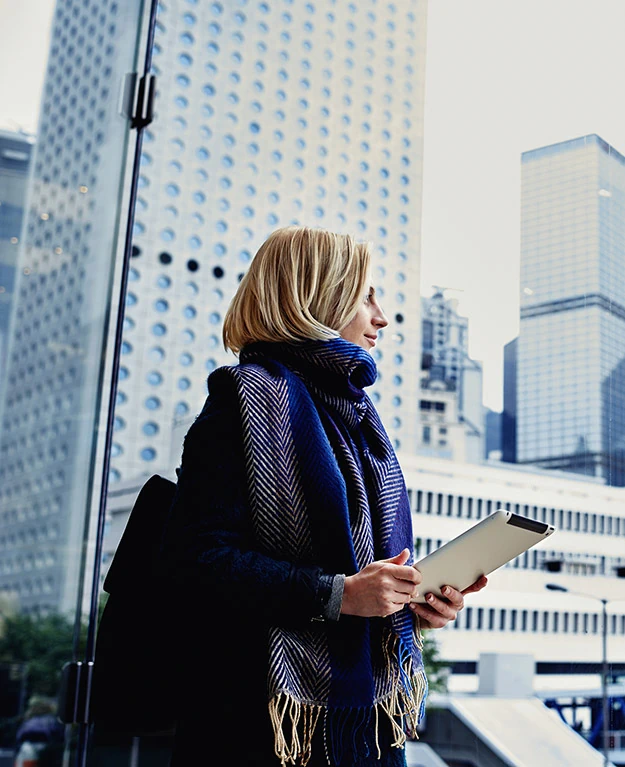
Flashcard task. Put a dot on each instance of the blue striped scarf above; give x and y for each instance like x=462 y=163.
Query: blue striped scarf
x=326 y=489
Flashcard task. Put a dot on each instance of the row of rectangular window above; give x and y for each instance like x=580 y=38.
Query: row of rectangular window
x=450 y=505
x=543 y=621
x=540 y=559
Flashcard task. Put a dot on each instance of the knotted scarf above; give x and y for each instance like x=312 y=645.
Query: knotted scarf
x=326 y=489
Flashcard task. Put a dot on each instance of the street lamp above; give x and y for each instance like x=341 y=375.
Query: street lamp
x=604 y=661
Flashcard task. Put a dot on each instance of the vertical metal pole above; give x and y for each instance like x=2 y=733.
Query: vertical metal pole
x=139 y=123
x=604 y=684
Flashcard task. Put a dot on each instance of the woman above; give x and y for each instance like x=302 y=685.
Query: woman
x=291 y=530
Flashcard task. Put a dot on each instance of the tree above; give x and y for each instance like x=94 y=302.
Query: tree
x=436 y=669
x=43 y=643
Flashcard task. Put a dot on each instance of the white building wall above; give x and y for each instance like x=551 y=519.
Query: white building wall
x=269 y=115
x=447 y=498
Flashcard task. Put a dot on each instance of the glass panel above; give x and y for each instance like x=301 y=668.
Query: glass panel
x=63 y=208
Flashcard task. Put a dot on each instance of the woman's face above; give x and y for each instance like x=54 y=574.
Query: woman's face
x=363 y=329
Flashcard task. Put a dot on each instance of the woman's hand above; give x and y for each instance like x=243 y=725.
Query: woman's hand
x=381 y=588
x=437 y=613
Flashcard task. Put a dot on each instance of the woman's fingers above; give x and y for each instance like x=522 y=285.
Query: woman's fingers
x=479 y=584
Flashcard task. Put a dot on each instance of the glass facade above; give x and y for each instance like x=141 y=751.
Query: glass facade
x=15 y=152
x=51 y=386
x=571 y=349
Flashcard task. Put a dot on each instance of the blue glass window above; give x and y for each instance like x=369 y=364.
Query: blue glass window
x=181 y=408
x=152 y=403
x=148 y=454
x=159 y=329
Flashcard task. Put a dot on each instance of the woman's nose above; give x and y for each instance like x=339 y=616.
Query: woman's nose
x=380 y=319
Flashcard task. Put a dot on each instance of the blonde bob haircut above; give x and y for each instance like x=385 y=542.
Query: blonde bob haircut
x=302 y=284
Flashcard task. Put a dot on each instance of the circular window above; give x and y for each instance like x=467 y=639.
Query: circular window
x=165 y=258
x=118 y=423
x=136 y=251
x=123 y=373
x=214 y=318
x=161 y=305
x=159 y=329
x=187 y=336
x=218 y=272
x=150 y=428
x=116 y=449
x=163 y=281
x=181 y=408
x=148 y=454
x=184 y=384
x=157 y=354
x=192 y=265
x=186 y=359
x=154 y=378
x=152 y=403
x=189 y=312
x=399 y=318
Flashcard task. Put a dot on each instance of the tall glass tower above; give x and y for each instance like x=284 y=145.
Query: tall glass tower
x=269 y=114
x=60 y=303
x=15 y=151
x=571 y=349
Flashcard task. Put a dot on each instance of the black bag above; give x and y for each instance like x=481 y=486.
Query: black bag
x=134 y=674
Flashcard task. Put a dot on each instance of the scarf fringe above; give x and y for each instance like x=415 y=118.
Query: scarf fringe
x=294 y=722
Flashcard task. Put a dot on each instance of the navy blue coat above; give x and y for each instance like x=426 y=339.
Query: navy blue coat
x=230 y=596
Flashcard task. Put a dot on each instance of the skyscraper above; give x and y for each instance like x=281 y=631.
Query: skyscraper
x=571 y=349
x=446 y=358
x=269 y=115
x=50 y=387
x=509 y=414
x=15 y=151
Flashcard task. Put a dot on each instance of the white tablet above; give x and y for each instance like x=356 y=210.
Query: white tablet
x=489 y=544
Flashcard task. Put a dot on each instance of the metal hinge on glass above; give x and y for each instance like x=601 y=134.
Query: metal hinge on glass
x=137 y=103
x=75 y=692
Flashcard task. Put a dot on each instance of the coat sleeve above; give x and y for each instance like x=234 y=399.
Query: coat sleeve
x=208 y=544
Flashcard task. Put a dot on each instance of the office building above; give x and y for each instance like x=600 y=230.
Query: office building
x=492 y=420
x=15 y=152
x=51 y=385
x=448 y=366
x=509 y=414
x=571 y=348
x=269 y=116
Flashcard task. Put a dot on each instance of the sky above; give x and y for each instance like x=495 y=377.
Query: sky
x=502 y=77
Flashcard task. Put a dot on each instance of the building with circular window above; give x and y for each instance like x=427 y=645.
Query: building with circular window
x=268 y=116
